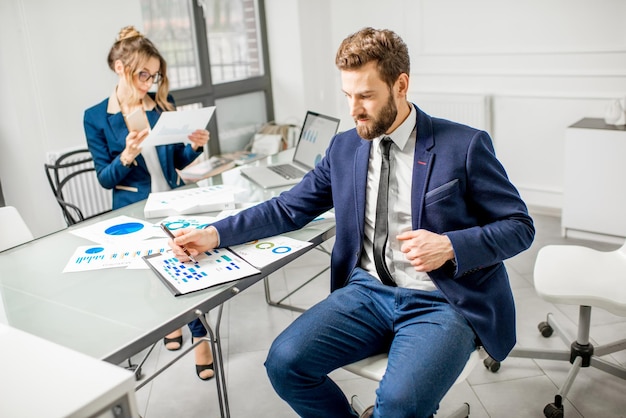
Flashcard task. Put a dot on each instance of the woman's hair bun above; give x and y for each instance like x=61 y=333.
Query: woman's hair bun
x=127 y=33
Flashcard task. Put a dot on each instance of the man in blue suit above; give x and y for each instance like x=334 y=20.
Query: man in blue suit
x=441 y=289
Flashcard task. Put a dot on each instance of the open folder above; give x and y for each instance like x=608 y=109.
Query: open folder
x=212 y=268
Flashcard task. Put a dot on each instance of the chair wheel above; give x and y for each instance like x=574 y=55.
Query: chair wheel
x=553 y=411
x=545 y=329
x=491 y=364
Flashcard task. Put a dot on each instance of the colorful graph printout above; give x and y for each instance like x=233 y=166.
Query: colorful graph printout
x=174 y=223
x=118 y=230
x=213 y=268
x=265 y=251
x=94 y=257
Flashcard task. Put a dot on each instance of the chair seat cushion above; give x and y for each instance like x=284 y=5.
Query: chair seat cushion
x=576 y=275
x=374 y=367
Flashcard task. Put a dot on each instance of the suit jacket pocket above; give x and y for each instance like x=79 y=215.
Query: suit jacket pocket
x=441 y=192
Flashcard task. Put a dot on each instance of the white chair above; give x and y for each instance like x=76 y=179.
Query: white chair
x=374 y=368
x=576 y=275
x=14 y=229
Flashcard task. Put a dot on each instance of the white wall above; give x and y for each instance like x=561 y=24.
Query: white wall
x=53 y=66
x=546 y=65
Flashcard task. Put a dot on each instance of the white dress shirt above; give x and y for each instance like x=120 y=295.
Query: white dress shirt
x=399 y=203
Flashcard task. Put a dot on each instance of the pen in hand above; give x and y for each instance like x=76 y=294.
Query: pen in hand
x=169 y=234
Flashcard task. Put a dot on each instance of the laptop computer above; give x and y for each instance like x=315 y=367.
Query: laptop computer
x=317 y=131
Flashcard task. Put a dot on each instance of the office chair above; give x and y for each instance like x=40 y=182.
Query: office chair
x=72 y=178
x=576 y=275
x=14 y=229
x=374 y=368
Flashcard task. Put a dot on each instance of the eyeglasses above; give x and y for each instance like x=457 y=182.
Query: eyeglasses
x=144 y=76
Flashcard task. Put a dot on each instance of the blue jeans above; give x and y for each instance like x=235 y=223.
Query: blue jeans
x=197 y=329
x=427 y=340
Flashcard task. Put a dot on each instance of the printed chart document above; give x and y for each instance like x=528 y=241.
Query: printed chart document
x=262 y=252
x=189 y=201
x=181 y=222
x=95 y=257
x=117 y=230
x=173 y=127
x=214 y=267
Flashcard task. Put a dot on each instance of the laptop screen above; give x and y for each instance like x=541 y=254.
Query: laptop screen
x=317 y=131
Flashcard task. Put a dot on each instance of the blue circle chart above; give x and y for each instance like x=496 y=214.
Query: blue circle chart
x=124 y=229
x=281 y=250
x=174 y=225
x=94 y=250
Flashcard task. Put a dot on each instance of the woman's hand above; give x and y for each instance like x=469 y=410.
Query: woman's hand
x=133 y=145
x=199 y=138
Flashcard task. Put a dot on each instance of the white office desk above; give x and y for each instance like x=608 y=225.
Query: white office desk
x=111 y=314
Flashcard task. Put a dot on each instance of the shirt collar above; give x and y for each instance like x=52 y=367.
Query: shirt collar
x=113 y=106
x=400 y=136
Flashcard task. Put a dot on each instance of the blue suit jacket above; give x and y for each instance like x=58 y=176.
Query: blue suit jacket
x=106 y=139
x=459 y=189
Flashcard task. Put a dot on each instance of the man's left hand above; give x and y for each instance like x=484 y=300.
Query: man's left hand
x=426 y=250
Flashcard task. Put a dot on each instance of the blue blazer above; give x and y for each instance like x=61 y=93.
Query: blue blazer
x=106 y=139
x=459 y=189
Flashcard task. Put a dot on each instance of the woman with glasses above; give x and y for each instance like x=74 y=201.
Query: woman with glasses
x=115 y=130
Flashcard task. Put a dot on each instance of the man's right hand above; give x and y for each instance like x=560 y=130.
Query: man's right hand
x=196 y=241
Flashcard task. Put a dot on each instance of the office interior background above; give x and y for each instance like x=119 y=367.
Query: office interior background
x=541 y=66
x=524 y=71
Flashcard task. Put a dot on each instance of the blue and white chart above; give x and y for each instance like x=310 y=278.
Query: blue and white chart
x=94 y=257
x=118 y=230
x=265 y=251
x=212 y=268
x=174 y=223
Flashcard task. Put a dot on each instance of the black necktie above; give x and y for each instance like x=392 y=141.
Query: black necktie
x=380 y=228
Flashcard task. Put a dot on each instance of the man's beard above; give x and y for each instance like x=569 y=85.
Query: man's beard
x=380 y=124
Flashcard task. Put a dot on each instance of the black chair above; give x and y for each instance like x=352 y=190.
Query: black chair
x=73 y=180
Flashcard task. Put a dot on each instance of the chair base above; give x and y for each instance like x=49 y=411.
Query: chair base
x=581 y=354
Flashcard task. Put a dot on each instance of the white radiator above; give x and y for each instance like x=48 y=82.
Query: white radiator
x=83 y=191
x=470 y=109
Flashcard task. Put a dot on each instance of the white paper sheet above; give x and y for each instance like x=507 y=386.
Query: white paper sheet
x=173 y=127
x=95 y=257
x=118 y=230
x=265 y=251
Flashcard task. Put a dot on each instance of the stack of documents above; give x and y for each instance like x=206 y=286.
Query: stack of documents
x=189 y=201
x=205 y=169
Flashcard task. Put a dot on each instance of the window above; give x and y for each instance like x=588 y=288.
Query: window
x=216 y=53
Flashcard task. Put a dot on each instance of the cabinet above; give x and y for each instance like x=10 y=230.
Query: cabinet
x=43 y=379
x=594 y=204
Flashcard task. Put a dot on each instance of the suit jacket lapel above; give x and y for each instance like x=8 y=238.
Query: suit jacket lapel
x=361 y=162
x=118 y=126
x=422 y=165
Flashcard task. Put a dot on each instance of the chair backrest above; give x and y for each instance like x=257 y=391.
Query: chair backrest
x=14 y=229
x=72 y=178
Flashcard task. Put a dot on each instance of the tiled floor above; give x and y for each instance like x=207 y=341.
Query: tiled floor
x=521 y=388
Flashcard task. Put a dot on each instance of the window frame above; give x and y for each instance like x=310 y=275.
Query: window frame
x=207 y=92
